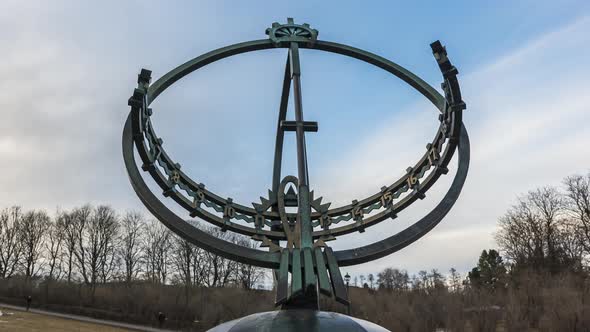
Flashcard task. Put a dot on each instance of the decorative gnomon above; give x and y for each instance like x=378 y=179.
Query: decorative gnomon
x=313 y=265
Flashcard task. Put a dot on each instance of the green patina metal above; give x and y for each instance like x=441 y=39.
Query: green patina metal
x=297 y=241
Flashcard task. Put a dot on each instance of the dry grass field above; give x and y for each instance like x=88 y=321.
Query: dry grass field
x=13 y=320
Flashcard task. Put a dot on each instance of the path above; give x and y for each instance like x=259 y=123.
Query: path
x=86 y=319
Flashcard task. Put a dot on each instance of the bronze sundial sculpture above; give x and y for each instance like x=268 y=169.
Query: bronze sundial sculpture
x=297 y=242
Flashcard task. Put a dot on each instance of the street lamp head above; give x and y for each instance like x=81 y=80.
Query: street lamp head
x=347 y=277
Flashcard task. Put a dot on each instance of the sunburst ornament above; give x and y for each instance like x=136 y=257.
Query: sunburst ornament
x=291 y=32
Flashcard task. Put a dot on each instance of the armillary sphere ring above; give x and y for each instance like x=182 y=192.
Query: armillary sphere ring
x=273 y=224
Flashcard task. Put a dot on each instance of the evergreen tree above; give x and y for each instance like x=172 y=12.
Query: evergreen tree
x=490 y=271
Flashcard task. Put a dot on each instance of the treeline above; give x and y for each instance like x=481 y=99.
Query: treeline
x=496 y=295
x=124 y=267
x=526 y=301
x=541 y=284
x=547 y=230
x=396 y=279
x=97 y=245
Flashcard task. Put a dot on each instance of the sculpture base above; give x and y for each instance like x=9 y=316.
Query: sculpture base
x=298 y=320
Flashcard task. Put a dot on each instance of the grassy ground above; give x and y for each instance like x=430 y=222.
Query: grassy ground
x=13 y=320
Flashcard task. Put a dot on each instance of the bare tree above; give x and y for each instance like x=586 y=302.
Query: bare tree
x=371 y=279
x=54 y=245
x=519 y=234
x=79 y=221
x=401 y=279
x=183 y=256
x=195 y=266
x=416 y=282
x=455 y=280
x=95 y=252
x=200 y=266
x=423 y=277
x=577 y=192
x=10 y=245
x=183 y=253
x=220 y=269
x=155 y=249
x=436 y=280
x=71 y=228
x=530 y=231
x=385 y=278
x=103 y=234
x=32 y=230
x=571 y=240
x=549 y=204
x=247 y=276
x=130 y=250
x=393 y=279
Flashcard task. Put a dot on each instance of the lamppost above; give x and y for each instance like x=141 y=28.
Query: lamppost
x=347 y=279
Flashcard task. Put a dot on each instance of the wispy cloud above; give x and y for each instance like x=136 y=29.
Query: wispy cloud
x=529 y=121
x=68 y=68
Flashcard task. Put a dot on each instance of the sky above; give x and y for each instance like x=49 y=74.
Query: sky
x=68 y=68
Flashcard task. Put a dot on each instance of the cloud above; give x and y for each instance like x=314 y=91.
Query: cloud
x=529 y=121
x=63 y=96
x=69 y=71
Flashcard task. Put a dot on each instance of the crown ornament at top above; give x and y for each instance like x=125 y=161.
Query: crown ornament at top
x=291 y=32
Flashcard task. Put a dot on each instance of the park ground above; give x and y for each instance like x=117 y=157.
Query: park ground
x=15 y=320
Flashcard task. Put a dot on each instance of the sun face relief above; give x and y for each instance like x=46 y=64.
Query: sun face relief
x=296 y=241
